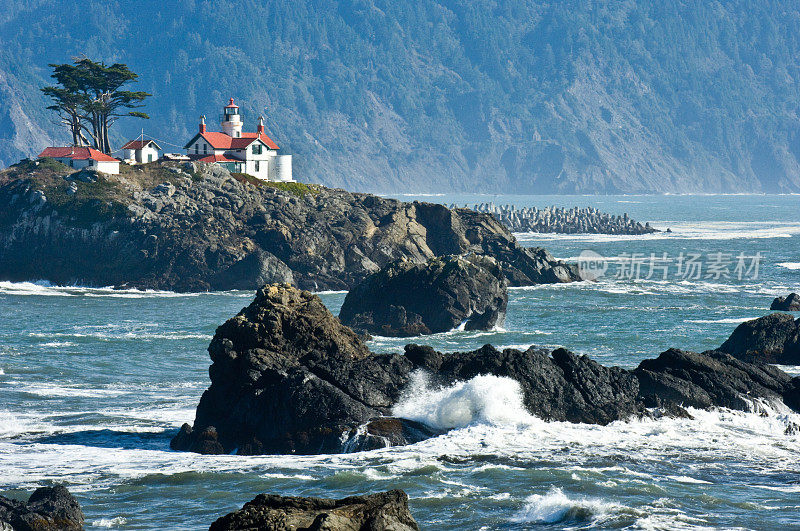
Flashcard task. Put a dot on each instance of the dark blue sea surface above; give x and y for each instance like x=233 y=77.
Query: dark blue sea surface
x=95 y=382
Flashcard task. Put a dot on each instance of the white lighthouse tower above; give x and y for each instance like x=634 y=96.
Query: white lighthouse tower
x=231 y=120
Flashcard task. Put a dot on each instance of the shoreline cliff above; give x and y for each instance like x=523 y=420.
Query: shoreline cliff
x=197 y=227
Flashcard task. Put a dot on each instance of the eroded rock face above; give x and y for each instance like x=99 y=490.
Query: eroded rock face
x=48 y=509
x=408 y=299
x=385 y=511
x=204 y=230
x=773 y=338
x=288 y=377
x=791 y=303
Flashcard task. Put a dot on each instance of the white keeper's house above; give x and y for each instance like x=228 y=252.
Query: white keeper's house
x=82 y=157
x=140 y=151
x=252 y=153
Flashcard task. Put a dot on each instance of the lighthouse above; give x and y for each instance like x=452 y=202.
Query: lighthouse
x=240 y=151
x=232 y=120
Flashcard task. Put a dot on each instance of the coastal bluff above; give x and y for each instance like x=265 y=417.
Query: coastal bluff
x=197 y=227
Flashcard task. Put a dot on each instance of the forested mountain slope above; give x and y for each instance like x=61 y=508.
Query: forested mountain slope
x=437 y=95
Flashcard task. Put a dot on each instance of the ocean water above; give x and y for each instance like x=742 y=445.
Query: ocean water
x=95 y=382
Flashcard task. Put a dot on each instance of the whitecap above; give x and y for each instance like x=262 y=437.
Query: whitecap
x=726 y=320
x=689 y=480
x=555 y=506
x=790 y=265
x=110 y=522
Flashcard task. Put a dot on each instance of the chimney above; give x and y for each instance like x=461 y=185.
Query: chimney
x=203 y=124
x=260 y=129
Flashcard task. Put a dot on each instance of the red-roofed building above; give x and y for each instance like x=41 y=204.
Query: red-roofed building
x=238 y=151
x=140 y=151
x=82 y=157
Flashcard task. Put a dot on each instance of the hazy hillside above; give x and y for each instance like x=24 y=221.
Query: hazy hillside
x=512 y=96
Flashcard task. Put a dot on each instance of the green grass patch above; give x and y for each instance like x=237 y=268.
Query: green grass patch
x=102 y=200
x=247 y=178
x=298 y=189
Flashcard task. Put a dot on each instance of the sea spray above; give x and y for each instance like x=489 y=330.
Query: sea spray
x=556 y=507
x=484 y=399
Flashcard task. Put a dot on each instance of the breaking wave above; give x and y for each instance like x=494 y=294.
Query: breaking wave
x=555 y=507
x=484 y=399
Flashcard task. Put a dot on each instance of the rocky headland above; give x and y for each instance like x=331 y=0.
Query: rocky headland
x=408 y=299
x=48 y=509
x=575 y=220
x=384 y=511
x=288 y=377
x=196 y=227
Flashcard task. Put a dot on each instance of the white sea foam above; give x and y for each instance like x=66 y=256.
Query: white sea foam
x=105 y=333
x=790 y=265
x=484 y=399
x=555 y=507
x=682 y=230
x=45 y=288
x=726 y=320
x=117 y=521
x=57 y=344
x=689 y=480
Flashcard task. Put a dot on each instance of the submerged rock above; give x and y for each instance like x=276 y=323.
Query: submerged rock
x=48 y=509
x=773 y=338
x=288 y=377
x=786 y=304
x=409 y=299
x=385 y=511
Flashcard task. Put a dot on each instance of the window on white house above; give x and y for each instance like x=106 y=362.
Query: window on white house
x=257 y=149
x=205 y=148
x=196 y=149
x=258 y=167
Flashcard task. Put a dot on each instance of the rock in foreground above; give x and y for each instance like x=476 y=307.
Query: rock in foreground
x=786 y=304
x=48 y=509
x=773 y=338
x=385 y=511
x=408 y=299
x=288 y=377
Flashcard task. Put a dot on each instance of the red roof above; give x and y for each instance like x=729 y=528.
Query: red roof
x=222 y=141
x=76 y=153
x=217 y=158
x=231 y=105
x=139 y=144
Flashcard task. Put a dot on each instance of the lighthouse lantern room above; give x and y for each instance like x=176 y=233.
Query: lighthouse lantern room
x=232 y=120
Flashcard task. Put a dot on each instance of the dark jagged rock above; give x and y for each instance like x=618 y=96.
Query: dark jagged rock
x=385 y=511
x=288 y=377
x=786 y=304
x=711 y=379
x=774 y=338
x=197 y=228
x=409 y=299
x=48 y=509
